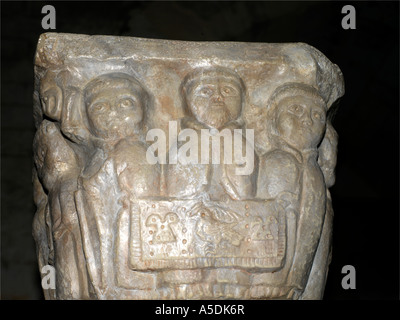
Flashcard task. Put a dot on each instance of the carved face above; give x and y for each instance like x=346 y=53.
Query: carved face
x=301 y=121
x=115 y=111
x=215 y=101
x=51 y=101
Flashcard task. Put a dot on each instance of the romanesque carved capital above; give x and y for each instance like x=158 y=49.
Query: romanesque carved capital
x=183 y=170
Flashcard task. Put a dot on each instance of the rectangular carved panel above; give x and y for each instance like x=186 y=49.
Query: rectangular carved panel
x=187 y=235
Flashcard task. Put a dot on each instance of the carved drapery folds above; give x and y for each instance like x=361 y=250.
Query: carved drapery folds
x=134 y=199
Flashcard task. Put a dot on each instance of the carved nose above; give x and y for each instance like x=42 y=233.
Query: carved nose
x=113 y=109
x=306 y=120
x=217 y=97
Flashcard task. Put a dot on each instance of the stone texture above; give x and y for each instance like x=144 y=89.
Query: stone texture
x=116 y=225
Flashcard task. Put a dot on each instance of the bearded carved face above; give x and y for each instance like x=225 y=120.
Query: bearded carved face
x=215 y=101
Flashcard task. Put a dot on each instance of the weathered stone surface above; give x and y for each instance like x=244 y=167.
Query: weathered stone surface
x=136 y=200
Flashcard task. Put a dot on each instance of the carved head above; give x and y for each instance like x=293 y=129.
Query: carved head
x=51 y=96
x=52 y=156
x=297 y=114
x=115 y=104
x=213 y=96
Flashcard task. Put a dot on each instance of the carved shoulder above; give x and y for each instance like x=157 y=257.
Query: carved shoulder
x=278 y=172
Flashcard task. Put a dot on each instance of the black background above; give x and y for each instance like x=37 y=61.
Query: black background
x=366 y=194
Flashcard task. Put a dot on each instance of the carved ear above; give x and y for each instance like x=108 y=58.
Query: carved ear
x=73 y=122
x=327 y=155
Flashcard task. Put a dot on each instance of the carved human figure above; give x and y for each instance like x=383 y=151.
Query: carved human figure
x=58 y=168
x=115 y=105
x=213 y=100
x=117 y=173
x=290 y=174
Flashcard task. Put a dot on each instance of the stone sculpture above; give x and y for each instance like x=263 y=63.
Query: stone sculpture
x=183 y=170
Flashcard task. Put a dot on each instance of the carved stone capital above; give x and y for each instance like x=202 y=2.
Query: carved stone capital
x=183 y=170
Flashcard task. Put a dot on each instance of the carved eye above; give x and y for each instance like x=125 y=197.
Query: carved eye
x=318 y=116
x=228 y=91
x=98 y=107
x=126 y=103
x=205 y=92
x=296 y=109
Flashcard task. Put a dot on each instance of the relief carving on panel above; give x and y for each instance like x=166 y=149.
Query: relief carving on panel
x=183 y=170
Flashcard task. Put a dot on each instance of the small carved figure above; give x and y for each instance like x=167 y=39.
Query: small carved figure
x=58 y=169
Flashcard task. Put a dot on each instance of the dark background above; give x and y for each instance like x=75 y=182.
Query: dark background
x=366 y=194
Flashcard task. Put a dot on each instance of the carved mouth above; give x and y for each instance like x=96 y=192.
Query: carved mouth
x=218 y=104
x=306 y=127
